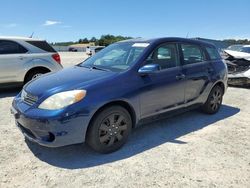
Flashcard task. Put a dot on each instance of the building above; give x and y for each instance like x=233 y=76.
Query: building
x=74 y=47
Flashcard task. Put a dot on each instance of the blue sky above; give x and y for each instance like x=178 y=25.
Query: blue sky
x=56 y=20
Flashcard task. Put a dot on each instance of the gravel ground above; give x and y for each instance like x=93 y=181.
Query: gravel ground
x=72 y=58
x=191 y=150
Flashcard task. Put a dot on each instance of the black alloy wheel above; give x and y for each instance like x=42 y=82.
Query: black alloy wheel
x=214 y=101
x=109 y=129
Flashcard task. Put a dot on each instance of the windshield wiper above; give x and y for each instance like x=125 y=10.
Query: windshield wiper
x=93 y=67
x=99 y=68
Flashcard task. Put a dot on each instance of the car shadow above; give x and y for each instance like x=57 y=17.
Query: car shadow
x=142 y=139
x=10 y=92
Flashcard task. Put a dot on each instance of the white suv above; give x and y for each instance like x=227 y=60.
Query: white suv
x=23 y=59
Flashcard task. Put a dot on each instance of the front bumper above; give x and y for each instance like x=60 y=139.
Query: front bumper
x=52 y=131
x=239 y=81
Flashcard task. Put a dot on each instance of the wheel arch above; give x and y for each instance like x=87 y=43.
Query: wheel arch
x=221 y=84
x=121 y=103
x=42 y=68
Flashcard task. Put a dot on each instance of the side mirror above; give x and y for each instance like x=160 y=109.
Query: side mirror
x=149 y=69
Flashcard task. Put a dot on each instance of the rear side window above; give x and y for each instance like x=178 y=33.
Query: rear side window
x=192 y=53
x=213 y=53
x=165 y=55
x=11 y=47
x=42 y=45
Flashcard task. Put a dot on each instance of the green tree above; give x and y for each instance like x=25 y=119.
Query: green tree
x=85 y=40
x=106 y=40
x=93 y=39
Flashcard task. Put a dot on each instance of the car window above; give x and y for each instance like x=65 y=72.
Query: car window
x=245 y=49
x=10 y=47
x=165 y=56
x=42 y=45
x=213 y=53
x=116 y=57
x=192 y=53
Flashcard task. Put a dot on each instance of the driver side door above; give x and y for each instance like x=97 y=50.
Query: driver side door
x=164 y=89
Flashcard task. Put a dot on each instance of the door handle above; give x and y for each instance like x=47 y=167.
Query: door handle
x=210 y=70
x=21 y=57
x=180 y=77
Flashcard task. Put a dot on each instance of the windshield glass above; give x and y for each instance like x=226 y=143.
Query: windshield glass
x=235 y=47
x=245 y=49
x=116 y=57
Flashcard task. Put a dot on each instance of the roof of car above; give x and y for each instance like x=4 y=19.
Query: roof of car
x=18 y=38
x=168 y=39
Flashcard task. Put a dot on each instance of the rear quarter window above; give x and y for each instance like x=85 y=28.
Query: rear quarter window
x=192 y=53
x=213 y=53
x=42 y=45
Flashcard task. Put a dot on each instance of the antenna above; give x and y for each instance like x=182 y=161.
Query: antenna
x=31 y=36
x=187 y=34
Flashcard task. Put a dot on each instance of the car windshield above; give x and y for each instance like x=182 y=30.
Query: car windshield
x=116 y=57
x=245 y=49
x=235 y=47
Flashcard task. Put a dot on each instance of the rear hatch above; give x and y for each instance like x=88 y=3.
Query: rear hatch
x=43 y=45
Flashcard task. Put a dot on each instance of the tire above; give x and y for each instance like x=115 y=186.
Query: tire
x=109 y=130
x=34 y=74
x=214 y=101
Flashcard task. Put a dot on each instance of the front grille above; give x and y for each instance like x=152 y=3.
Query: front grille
x=238 y=66
x=28 y=98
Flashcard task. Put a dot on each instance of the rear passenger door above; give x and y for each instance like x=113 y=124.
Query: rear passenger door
x=196 y=68
x=11 y=60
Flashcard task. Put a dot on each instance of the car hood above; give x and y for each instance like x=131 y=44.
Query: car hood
x=67 y=79
x=238 y=55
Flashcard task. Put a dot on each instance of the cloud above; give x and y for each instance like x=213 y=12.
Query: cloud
x=10 y=25
x=51 y=22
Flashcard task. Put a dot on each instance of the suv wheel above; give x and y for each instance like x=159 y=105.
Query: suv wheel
x=109 y=130
x=34 y=74
x=214 y=101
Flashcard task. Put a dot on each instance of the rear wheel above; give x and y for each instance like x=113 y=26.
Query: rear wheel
x=214 y=101
x=109 y=129
x=34 y=74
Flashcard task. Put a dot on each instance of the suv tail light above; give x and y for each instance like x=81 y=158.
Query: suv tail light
x=57 y=58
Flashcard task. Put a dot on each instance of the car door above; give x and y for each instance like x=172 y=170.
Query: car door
x=11 y=60
x=196 y=68
x=163 y=89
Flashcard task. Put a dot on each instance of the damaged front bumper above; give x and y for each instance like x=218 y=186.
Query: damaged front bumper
x=238 y=71
x=241 y=78
x=239 y=81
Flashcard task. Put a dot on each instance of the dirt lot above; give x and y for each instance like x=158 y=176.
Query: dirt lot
x=191 y=150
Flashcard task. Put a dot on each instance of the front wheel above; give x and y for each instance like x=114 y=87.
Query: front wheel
x=214 y=101
x=109 y=130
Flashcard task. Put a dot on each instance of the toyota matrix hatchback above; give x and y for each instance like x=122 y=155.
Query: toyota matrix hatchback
x=102 y=99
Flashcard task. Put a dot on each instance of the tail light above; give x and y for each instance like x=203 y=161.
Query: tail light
x=57 y=58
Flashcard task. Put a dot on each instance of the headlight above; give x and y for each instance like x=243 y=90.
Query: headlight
x=63 y=99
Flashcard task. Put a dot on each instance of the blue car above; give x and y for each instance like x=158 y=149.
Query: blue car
x=126 y=84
